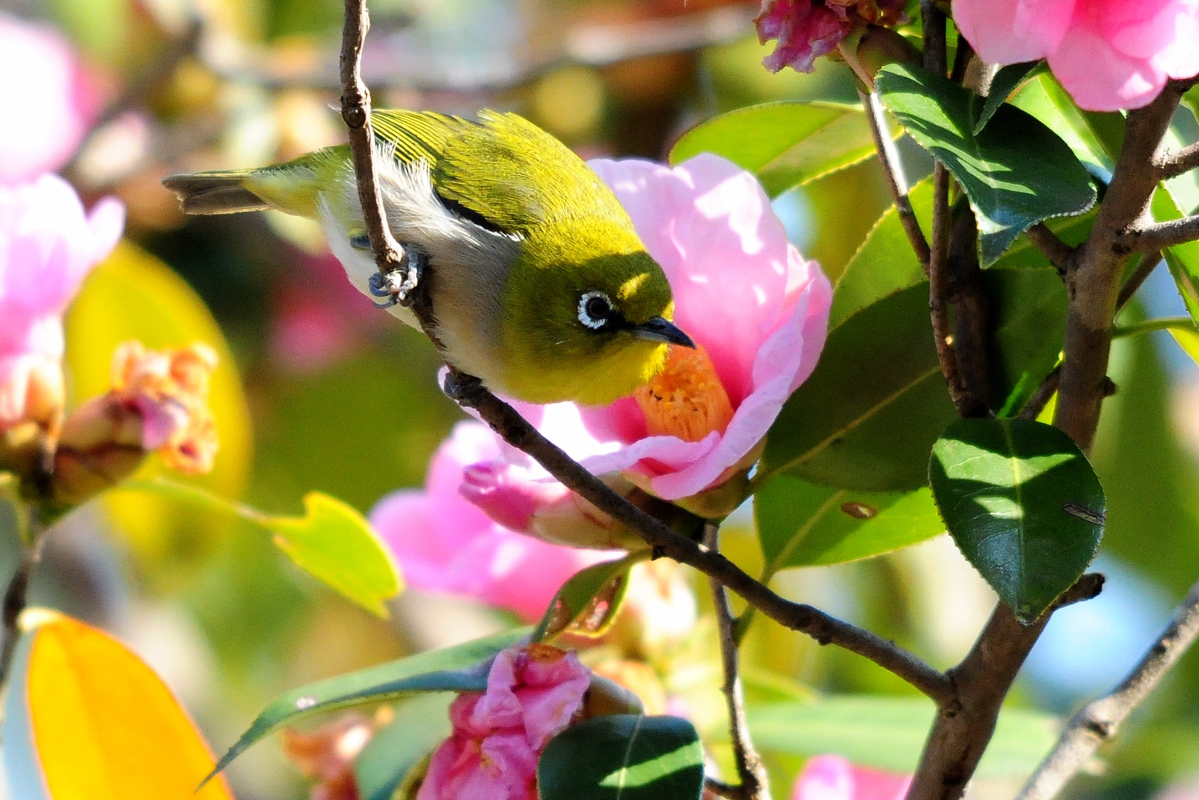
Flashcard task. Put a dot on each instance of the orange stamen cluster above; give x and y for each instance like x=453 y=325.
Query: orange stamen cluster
x=686 y=399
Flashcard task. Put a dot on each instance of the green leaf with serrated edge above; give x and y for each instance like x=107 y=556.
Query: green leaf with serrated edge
x=575 y=598
x=784 y=144
x=888 y=733
x=885 y=262
x=1182 y=259
x=871 y=410
x=800 y=524
x=462 y=668
x=1016 y=172
x=1022 y=503
x=623 y=757
x=1003 y=84
x=418 y=725
x=335 y=544
x=1044 y=98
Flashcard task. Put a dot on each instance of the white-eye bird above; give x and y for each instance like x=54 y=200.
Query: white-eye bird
x=537 y=280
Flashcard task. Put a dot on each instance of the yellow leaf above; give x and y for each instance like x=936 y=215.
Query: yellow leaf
x=87 y=719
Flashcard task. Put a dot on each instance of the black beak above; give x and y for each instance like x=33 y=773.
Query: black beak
x=657 y=329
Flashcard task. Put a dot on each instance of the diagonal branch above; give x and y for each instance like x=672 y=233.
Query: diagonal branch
x=1178 y=162
x=1158 y=235
x=1053 y=248
x=1100 y=720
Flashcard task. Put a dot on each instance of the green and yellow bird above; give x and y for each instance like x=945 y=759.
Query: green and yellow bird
x=538 y=282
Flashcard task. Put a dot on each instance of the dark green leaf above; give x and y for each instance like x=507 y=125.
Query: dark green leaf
x=869 y=414
x=1022 y=503
x=889 y=732
x=801 y=524
x=588 y=601
x=1003 y=84
x=462 y=668
x=784 y=144
x=1182 y=259
x=1044 y=98
x=388 y=759
x=625 y=757
x=885 y=263
x=1016 y=172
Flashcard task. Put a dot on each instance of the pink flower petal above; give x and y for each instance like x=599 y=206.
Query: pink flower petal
x=1011 y=31
x=835 y=778
x=1099 y=77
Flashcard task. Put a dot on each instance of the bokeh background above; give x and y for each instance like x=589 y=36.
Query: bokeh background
x=319 y=391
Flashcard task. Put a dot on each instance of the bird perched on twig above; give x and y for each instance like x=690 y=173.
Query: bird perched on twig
x=538 y=283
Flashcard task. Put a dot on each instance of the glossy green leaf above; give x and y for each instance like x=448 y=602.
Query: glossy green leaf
x=1182 y=259
x=1022 y=503
x=623 y=757
x=885 y=262
x=1003 y=84
x=1044 y=98
x=462 y=668
x=589 y=600
x=1188 y=341
x=1016 y=172
x=335 y=544
x=388 y=759
x=801 y=524
x=869 y=414
x=889 y=732
x=784 y=144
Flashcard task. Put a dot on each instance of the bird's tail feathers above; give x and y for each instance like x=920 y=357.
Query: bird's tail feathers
x=214 y=192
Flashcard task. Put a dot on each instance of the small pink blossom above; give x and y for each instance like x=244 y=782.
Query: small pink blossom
x=834 y=778
x=47 y=246
x=808 y=29
x=533 y=693
x=40 y=74
x=1108 y=54
x=446 y=544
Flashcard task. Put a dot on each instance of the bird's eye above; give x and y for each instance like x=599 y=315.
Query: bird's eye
x=595 y=309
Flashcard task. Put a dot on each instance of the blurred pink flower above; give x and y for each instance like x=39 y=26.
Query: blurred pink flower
x=834 y=778
x=47 y=246
x=446 y=544
x=532 y=694
x=757 y=309
x=808 y=29
x=1108 y=54
x=49 y=100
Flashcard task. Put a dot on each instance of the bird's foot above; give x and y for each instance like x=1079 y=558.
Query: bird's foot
x=399 y=284
x=465 y=390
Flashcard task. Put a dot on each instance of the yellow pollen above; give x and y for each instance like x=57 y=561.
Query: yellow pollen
x=685 y=399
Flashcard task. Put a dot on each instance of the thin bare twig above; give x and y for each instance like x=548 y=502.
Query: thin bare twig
x=515 y=430
x=17 y=595
x=964 y=725
x=896 y=180
x=1158 y=235
x=755 y=783
x=1100 y=720
x=965 y=293
x=938 y=289
x=1040 y=398
x=933 y=23
x=1178 y=162
x=1053 y=248
x=1144 y=268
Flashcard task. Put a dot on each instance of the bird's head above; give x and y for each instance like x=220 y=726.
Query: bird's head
x=588 y=316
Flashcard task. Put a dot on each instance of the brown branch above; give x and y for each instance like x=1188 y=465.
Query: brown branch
x=938 y=291
x=896 y=180
x=16 y=597
x=965 y=293
x=1093 y=279
x=515 y=430
x=755 y=783
x=1100 y=720
x=1178 y=162
x=965 y=723
x=1146 y=238
x=1144 y=268
x=1040 y=398
x=933 y=23
x=1053 y=248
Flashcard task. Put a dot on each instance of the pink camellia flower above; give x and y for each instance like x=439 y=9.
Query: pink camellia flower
x=47 y=246
x=834 y=778
x=446 y=544
x=1108 y=54
x=808 y=29
x=532 y=694
x=40 y=74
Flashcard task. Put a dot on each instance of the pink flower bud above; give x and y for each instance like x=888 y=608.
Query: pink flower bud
x=808 y=29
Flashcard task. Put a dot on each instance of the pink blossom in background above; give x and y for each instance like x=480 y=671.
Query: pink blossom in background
x=756 y=307
x=47 y=246
x=1108 y=54
x=532 y=694
x=808 y=29
x=40 y=73
x=446 y=544
x=835 y=778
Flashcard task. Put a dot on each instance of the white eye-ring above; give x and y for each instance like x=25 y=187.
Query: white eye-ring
x=594 y=310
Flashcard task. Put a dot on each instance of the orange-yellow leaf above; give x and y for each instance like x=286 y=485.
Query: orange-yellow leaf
x=99 y=724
